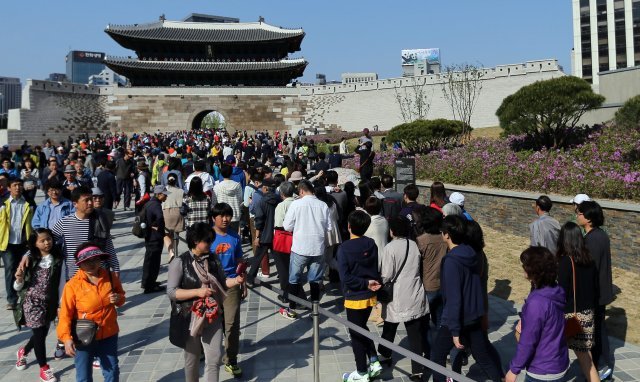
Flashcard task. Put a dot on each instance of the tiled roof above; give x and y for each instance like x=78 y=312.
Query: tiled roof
x=203 y=32
x=189 y=66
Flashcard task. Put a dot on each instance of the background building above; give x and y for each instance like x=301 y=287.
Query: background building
x=82 y=64
x=107 y=77
x=606 y=36
x=349 y=78
x=11 y=91
x=58 y=77
x=420 y=62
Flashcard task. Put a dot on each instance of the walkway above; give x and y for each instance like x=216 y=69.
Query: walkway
x=271 y=346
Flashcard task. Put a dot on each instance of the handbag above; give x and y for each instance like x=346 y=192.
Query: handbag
x=84 y=331
x=282 y=240
x=179 y=325
x=385 y=293
x=572 y=325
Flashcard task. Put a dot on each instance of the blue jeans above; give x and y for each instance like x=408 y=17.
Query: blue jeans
x=107 y=351
x=297 y=263
x=435 y=307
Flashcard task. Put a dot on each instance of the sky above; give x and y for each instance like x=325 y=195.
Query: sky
x=341 y=36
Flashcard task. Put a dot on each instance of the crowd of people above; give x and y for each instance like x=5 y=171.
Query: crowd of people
x=421 y=265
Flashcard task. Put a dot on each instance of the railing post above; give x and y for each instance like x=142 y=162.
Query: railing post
x=315 y=314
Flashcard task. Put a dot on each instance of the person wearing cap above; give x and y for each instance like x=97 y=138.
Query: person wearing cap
x=70 y=182
x=154 y=240
x=458 y=199
x=365 y=151
x=93 y=293
x=545 y=230
x=98 y=205
x=53 y=208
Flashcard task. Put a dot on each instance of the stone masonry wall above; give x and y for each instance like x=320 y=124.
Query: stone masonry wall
x=511 y=212
x=169 y=112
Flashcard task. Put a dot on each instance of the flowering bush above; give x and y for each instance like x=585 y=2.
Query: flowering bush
x=605 y=166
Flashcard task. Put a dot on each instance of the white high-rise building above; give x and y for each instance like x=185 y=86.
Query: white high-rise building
x=606 y=36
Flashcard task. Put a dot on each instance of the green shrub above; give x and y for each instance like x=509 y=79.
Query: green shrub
x=628 y=117
x=422 y=136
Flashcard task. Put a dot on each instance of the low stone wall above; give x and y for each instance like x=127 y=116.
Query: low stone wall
x=512 y=211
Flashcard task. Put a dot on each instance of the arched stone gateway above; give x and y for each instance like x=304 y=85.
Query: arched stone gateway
x=200 y=116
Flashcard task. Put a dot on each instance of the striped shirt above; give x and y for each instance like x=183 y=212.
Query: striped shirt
x=70 y=232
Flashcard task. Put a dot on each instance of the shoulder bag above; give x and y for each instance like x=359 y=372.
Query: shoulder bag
x=83 y=330
x=572 y=325
x=385 y=293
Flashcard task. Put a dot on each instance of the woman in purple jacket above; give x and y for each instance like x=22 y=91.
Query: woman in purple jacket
x=542 y=349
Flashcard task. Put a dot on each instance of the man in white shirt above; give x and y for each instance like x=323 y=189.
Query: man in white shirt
x=343 y=146
x=308 y=219
x=207 y=179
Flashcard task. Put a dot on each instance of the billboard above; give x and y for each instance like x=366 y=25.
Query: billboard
x=411 y=56
x=83 y=56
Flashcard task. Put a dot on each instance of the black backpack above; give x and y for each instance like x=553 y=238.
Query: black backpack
x=140 y=226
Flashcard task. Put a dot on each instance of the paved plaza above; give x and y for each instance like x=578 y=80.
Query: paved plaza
x=272 y=347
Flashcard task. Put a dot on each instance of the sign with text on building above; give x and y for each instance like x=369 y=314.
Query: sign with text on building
x=88 y=56
x=411 y=56
x=405 y=172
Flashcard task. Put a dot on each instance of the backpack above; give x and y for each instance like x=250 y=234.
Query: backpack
x=140 y=228
x=390 y=208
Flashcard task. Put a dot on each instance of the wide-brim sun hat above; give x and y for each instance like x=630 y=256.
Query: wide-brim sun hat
x=90 y=253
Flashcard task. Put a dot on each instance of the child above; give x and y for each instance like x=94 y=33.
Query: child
x=37 y=287
x=358 y=267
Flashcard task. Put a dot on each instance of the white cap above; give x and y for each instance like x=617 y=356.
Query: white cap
x=578 y=199
x=457 y=198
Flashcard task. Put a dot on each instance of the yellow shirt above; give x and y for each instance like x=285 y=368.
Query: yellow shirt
x=361 y=304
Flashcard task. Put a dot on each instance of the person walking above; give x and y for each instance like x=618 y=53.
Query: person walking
x=37 y=287
x=227 y=246
x=542 y=350
x=360 y=279
x=545 y=229
x=195 y=277
x=125 y=172
x=591 y=219
x=196 y=205
x=463 y=302
x=308 y=218
x=154 y=241
x=53 y=208
x=265 y=211
x=15 y=230
x=93 y=293
x=229 y=191
x=173 y=220
x=578 y=276
x=401 y=262
x=107 y=183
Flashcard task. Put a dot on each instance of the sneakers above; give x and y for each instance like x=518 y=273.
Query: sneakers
x=262 y=276
x=21 y=362
x=59 y=353
x=46 y=374
x=288 y=314
x=375 y=368
x=96 y=363
x=605 y=373
x=233 y=369
x=355 y=376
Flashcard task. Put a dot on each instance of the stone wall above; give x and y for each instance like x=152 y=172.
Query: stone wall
x=175 y=108
x=52 y=110
x=511 y=212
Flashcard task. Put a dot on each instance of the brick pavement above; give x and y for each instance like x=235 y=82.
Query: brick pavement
x=272 y=348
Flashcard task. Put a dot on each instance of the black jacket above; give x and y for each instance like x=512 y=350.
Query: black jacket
x=107 y=184
x=154 y=218
x=265 y=216
x=51 y=294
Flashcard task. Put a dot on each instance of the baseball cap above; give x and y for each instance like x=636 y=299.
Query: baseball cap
x=97 y=191
x=457 y=198
x=578 y=199
x=69 y=169
x=160 y=189
x=89 y=253
x=295 y=176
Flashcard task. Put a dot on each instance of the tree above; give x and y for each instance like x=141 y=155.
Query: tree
x=461 y=88
x=544 y=110
x=426 y=135
x=628 y=117
x=414 y=100
x=213 y=121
